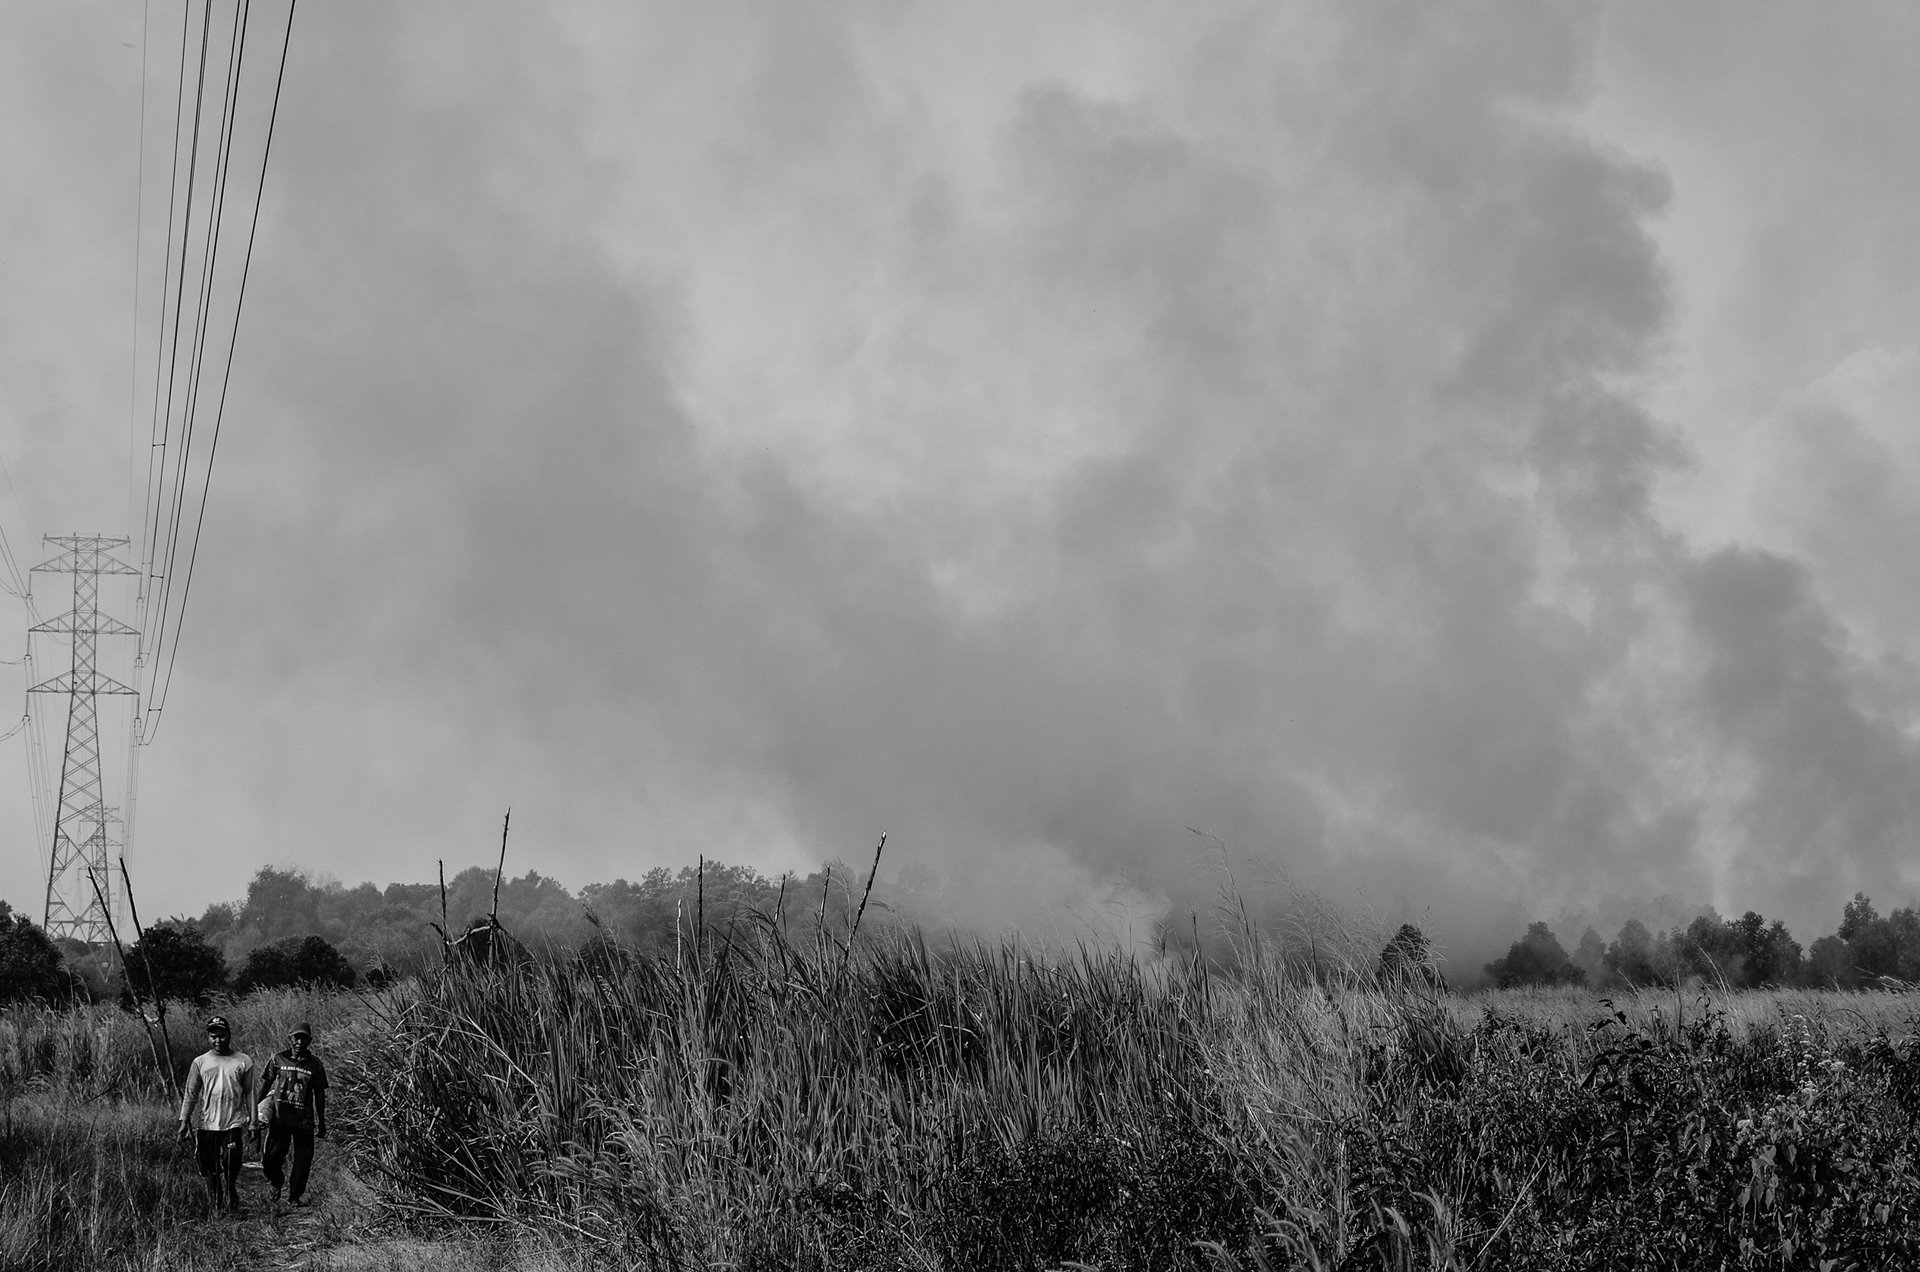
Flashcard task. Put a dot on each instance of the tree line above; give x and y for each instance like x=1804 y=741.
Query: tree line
x=1865 y=951
x=293 y=929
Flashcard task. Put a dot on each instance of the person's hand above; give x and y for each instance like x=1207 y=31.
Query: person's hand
x=320 y=1131
x=183 y=1136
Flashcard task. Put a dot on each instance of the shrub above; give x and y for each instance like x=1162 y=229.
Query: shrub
x=183 y=964
x=308 y=960
x=1408 y=959
x=1667 y=1145
x=1535 y=959
x=29 y=960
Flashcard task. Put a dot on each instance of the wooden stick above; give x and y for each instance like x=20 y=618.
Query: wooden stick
x=493 y=915
x=140 y=941
x=100 y=894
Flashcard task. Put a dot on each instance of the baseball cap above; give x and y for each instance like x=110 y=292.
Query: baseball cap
x=218 y=1024
x=301 y=1030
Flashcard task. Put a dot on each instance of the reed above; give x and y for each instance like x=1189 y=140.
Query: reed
x=89 y=1183
x=759 y=1103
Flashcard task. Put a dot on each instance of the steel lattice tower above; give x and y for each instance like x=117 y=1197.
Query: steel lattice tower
x=80 y=817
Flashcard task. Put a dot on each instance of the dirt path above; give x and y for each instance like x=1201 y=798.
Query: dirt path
x=340 y=1230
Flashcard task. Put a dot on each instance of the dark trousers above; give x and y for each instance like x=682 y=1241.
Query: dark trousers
x=219 y=1153
x=279 y=1140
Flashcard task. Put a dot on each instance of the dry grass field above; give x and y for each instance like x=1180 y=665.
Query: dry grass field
x=756 y=1105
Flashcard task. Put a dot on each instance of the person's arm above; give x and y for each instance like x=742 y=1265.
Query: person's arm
x=319 y=1100
x=190 y=1097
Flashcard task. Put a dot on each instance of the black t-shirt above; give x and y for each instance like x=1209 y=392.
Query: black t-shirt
x=291 y=1085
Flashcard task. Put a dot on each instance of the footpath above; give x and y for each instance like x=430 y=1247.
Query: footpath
x=341 y=1229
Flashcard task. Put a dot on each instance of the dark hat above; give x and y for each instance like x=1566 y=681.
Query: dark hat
x=301 y=1030
x=218 y=1024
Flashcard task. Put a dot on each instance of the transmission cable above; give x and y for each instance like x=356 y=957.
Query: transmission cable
x=139 y=223
x=246 y=268
x=203 y=308
x=163 y=415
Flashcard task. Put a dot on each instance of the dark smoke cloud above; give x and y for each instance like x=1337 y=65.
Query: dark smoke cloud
x=1034 y=435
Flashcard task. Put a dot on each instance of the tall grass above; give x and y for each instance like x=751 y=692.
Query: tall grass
x=755 y=1104
x=101 y=1051
x=91 y=1173
x=88 y=1184
x=885 y=1104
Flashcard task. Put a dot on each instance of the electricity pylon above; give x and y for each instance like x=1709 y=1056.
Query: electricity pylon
x=80 y=817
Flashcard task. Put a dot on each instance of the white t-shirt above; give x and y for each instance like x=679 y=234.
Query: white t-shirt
x=219 y=1094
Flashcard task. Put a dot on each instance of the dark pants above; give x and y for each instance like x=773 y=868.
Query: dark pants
x=279 y=1139
x=219 y=1153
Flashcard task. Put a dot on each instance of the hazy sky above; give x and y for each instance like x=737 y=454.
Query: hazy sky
x=1462 y=459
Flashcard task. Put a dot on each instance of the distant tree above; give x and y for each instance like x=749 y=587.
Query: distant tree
x=1590 y=956
x=268 y=967
x=1904 y=927
x=533 y=908
x=30 y=963
x=663 y=907
x=1537 y=958
x=282 y=902
x=1863 y=948
x=1710 y=949
x=1879 y=948
x=1856 y=917
x=185 y=965
x=307 y=960
x=217 y=923
x=1768 y=954
x=1408 y=959
x=1631 y=959
x=1829 y=965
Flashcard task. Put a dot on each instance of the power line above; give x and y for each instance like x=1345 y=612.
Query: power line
x=203 y=301
x=139 y=224
x=20 y=584
x=158 y=700
x=162 y=422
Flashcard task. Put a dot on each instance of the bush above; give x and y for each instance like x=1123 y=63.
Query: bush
x=1537 y=958
x=308 y=961
x=183 y=964
x=29 y=960
x=1666 y=1146
x=1408 y=959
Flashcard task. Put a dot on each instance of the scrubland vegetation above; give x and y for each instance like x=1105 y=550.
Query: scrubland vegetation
x=755 y=1100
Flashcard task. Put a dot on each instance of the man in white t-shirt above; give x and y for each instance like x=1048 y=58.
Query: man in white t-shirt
x=218 y=1105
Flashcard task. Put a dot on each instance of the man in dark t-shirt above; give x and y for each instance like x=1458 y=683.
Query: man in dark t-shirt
x=293 y=1104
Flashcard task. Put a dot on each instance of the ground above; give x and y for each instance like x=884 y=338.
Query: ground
x=342 y=1230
